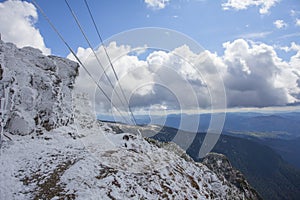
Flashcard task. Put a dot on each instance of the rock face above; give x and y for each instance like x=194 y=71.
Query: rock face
x=35 y=89
x=219 y=164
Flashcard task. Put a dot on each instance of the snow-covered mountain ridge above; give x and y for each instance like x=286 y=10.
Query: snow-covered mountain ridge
x=58 y=150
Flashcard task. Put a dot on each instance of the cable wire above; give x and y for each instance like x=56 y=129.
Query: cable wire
x=108 y=57
x=89 y=44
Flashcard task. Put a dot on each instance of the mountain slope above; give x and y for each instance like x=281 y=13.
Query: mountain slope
x=287 y=149
x=224 y=170
x=265 y=170
x=54 y=148
x=93 y=162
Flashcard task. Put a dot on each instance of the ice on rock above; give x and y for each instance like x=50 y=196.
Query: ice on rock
x=40 y=89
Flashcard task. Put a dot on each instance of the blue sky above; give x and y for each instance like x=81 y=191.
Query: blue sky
x=254 y=44
x=205 y=21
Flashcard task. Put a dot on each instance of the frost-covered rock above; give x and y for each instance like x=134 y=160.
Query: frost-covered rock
x=39 y=89
x=219 y=164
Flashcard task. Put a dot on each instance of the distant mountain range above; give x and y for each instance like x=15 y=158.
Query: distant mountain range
x=279 y=125
x=280 y=131
x=285 y=125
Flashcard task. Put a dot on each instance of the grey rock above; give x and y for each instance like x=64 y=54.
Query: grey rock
x=220 y=165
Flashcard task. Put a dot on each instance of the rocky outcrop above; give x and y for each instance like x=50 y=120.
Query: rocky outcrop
x=220 y=165
x=35 y=89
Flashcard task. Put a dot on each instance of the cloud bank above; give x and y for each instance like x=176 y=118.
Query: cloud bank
x=253 y=75
x=17 y=25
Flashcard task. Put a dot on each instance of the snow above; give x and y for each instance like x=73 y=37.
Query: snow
x=102 y=166
x=39 y=89
x=84 y=158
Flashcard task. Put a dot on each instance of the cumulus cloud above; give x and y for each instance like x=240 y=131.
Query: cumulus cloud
x=159 y=79
x=157 y=4
x=295 y=59
x=17 y=25
x=253 y=76
x=264 y=5
x=280 y=24
x=257 y=77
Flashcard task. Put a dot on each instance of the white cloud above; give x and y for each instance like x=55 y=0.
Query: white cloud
x=17 y=25
x=265 y=5
x=292 y=47
x=257 y=77
x=295 y=59
x=82 y=53
x=297 y=22
x=253 y=74
x=149 y=81
x=157 y=4
x=280 y=24
x=291 y=75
